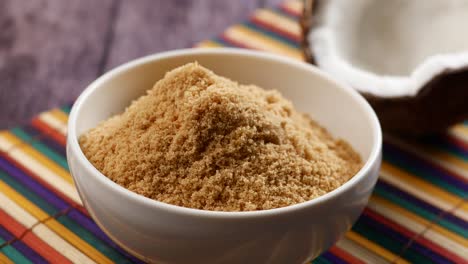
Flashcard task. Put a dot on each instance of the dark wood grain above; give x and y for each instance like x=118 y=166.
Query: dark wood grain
x=51 y=49
x=147 y=26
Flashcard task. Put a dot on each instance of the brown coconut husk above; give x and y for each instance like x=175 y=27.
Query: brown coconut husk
x=441 y=103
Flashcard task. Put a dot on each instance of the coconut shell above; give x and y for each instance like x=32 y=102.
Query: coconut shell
x=439 y=104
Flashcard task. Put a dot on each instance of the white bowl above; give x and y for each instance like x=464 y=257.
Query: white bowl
x=163 y=233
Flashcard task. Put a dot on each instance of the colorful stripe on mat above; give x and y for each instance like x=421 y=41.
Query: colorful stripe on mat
x=418 y=212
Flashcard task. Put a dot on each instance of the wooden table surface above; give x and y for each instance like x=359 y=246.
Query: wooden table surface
x=51 y=49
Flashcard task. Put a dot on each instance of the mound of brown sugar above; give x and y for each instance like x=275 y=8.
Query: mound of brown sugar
x=202 y=141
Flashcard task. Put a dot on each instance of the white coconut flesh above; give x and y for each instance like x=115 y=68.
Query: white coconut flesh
x=390 y=48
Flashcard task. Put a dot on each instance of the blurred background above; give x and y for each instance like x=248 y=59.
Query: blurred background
x=51 y=49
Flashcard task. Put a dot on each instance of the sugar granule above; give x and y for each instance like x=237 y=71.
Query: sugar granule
x=202 y=141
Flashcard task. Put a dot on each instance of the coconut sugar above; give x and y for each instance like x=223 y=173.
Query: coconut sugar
x=202 y=141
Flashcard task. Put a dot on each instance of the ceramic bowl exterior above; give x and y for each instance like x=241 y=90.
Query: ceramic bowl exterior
x=163 y=233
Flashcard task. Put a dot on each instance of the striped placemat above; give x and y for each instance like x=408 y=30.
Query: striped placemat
x=418 y=212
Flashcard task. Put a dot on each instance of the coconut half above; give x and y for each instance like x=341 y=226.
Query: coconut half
x=405 y=56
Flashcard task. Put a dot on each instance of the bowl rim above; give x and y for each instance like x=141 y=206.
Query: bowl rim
x=74 y=147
